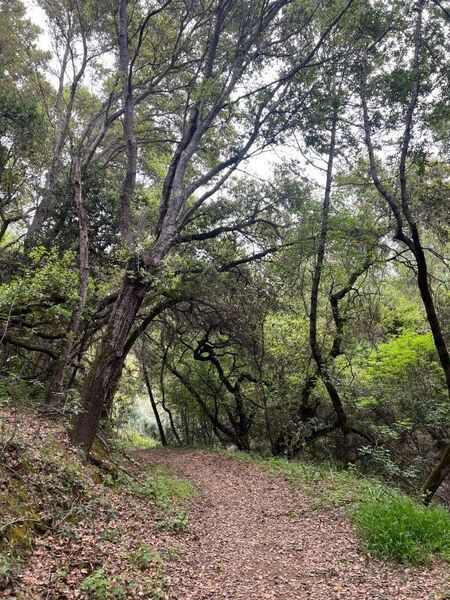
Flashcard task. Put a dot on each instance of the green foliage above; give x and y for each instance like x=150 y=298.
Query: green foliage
x=143 y=556
x=398 y=355
x=402 y=381
x=176 y=520
x=395 y=527
x=170 y=493
x=8 y=570
x=382 y=457
x=50 y=278
x=131 y=439
x=97 y=585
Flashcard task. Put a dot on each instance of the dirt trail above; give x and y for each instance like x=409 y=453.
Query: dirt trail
x=252 y=537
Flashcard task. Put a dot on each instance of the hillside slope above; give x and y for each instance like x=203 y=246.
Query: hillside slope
x=71 y=530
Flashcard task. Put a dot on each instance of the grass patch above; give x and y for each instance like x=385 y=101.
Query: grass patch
x=328 y=486
x=163 y=487
x=170 y=493
x=396 y=527
x=129 y=439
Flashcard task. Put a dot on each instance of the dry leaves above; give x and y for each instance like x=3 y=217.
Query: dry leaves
x=255 y=538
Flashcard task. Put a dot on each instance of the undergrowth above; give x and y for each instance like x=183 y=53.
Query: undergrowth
x=39 y=492
x=101 y=586
x=131 y=439
x=170 y=493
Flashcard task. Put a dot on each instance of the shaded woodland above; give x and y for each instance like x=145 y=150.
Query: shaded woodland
x=236 y=213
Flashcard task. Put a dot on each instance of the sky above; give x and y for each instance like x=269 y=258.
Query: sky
x=37 y=16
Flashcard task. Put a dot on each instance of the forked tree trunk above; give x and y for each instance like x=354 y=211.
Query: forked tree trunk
x=102 y=380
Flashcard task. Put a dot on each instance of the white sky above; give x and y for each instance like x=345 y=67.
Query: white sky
x=37 y=16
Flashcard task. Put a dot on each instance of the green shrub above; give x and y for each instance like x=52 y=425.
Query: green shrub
x=98 y=586
x=398 y=528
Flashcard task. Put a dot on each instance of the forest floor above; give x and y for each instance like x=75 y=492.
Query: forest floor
x=254 y=537
x=179 y=524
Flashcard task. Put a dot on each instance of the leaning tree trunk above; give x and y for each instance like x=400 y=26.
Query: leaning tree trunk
x=437 y=476
x=102 y=380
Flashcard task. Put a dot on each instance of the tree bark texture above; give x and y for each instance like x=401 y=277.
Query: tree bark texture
x=102 y=380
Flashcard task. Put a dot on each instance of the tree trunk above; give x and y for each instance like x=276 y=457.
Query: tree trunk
x=129 y=182
x=349 y=450
x=198 y=119
x=244 y=422
x=162 y=435
x=59 y=372
x=163 y=397
x=440 y=472
x=322 y=366
x=102 y=380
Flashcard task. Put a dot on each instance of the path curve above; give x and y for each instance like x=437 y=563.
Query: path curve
x=252 y=537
